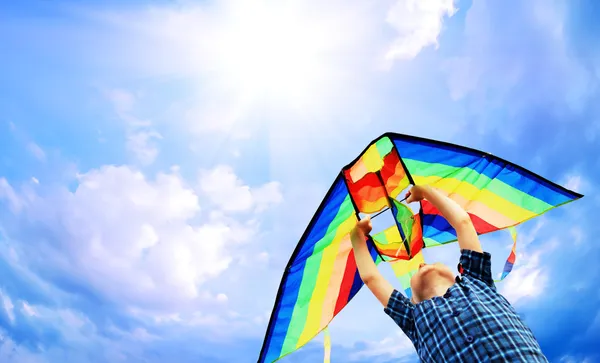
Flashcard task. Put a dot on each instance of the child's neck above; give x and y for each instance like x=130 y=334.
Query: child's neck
x=437 y=289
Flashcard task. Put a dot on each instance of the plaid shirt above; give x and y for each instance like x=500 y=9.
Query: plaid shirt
x=472 y=322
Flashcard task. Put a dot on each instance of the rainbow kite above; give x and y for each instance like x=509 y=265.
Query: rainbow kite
x=321 y=276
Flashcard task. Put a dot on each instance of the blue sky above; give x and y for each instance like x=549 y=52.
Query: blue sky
x=159 y=161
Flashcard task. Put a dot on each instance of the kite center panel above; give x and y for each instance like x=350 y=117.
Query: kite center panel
x=376 y=181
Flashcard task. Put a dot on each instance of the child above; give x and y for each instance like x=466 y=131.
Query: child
x=458 y=319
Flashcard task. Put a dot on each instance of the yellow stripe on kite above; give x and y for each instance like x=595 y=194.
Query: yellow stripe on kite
x=335 y=283
x=313 y=318
x=403 y=267
x=372 y=159
x=358 y=170
x=487 y=205
x=370 y=162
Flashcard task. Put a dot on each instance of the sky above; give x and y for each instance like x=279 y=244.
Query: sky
x=159 y=161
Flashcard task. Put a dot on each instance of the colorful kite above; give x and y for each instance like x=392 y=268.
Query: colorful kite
x=321 y=276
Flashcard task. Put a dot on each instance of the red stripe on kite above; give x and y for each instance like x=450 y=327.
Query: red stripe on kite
x=481 y=226
x=347 y=282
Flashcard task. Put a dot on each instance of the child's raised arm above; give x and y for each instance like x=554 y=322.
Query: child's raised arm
x=457 y=217
x=367 y=269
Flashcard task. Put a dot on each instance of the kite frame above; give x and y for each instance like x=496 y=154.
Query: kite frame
x=392 y=136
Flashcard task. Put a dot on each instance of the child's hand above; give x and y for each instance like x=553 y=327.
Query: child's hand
x=364 y=226
x=417 y=193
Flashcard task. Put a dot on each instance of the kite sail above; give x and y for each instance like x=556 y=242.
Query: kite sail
x=321 y=276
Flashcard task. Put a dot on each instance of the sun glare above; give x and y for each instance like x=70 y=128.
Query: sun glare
x=273 y=52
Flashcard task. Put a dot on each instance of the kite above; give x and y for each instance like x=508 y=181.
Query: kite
x=321 y=276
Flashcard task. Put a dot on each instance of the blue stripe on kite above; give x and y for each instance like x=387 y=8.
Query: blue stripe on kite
x=328 y=214
x=438 y=223
x=490 y=166
x=357 y=284
x=437 y=235
x=293 y=277
x=285 y=308
x=508 y=267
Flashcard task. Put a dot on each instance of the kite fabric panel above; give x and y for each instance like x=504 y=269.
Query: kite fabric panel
x=321 y=277
x=496 y=194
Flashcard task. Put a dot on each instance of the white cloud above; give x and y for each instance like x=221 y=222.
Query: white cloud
x=141 y=136
x=578 y=235
x=418 y=23
x=28 y=309
x=497 y=58
x=529 y=277
x=8 y=306
x=135 y=240
x=573 y=182
x=8 y=193
x=11 y=352
x=230 y=194
x=36 y=151
x=141 y=144
x=396 y=346
x=267 y=195
x=142 y=334
x=262 y=257
x=525 y=238
x=571 y=359
x=222 y=298
x=122 y=100
x=577 y=183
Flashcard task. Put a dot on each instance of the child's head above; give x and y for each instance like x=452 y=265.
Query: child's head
x=428 y=278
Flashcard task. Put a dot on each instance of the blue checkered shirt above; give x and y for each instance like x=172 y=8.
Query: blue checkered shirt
x=472 y=322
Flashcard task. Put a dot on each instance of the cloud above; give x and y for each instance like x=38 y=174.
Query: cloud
x=529 y=280
x=134 y=240
x=8 y=306
x=8 y=193
x=573 y=359
x=499 y=60
x=230 y=194
x=141 y=136
x=142 y=145
x=36 y=151
x=418 y=25
x=530 y=275
x=11 y=352
x=579 y=183
x=397 y=346
x=28 y=309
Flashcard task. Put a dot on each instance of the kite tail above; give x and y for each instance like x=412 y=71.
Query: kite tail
x=327 y=345
x=510 y=261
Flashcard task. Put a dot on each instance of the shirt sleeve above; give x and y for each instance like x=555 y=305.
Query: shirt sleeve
x=477 y=265
x=400 y=309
